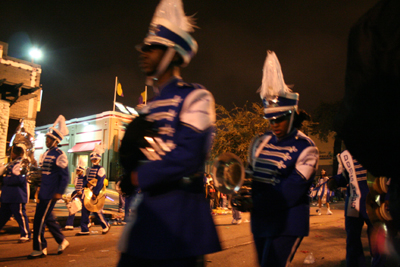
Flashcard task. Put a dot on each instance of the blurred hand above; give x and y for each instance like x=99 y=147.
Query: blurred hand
x=57 y=196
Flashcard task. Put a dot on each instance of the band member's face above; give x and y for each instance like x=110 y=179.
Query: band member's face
x=79 y=172
x=280 y=128
x=49 y=141
x=150 y=58
x=95 y=161
x=323 y=172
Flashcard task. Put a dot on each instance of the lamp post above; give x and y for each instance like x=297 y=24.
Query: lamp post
x=35 y=53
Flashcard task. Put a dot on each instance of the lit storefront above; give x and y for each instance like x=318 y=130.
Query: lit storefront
x=107 y=128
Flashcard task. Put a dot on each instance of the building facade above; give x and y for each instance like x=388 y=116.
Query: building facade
x=20 y=95
x=107 y=129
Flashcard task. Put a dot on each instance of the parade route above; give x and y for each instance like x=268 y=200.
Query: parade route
x=327 y=242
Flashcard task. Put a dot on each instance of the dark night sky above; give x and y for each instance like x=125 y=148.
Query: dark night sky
x=87 y=43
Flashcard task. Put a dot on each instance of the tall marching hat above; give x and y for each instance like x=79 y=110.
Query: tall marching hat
x=278 y=98
x=58 y=134
x=170 y=27
x=97 y=151
x=81 y=165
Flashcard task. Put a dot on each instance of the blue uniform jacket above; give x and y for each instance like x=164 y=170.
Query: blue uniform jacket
x=55 y=175
x=95 y=173
x=174 y=220
x=281 y=205
x=15 y=187
x=79 y=183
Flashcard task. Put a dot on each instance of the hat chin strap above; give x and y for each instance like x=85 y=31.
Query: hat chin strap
x=291 y=121
x=54 y=144
x=162 y=66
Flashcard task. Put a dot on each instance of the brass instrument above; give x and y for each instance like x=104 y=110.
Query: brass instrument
x=228 y=173
x=378 y=212
x=94 y=205
x=29 y=167
x=377 y=207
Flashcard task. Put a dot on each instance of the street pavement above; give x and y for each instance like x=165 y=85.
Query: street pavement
x=326 y=241
x=61 y=212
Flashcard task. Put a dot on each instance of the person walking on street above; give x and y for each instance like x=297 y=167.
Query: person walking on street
x=77 y=193
x=174 y=226
x=236 y=215
x=284 y=162
x=324 y=194
x=94 y=179
x=55 y=177
x=211 y=194
x=15 y=193
x=355 y=210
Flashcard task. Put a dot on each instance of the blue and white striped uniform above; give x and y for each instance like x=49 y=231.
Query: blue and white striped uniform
x=283 y=172
x=14 y=196
x=173 y=219
x=95 y=175
x=79 y=183
x=323 y=191
x=354 y=249
x=55 y=178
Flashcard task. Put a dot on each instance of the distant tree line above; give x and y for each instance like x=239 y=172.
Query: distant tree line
x=236 y=128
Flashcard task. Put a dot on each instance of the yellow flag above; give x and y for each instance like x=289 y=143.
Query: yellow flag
x=119 y=89
x=144 y=96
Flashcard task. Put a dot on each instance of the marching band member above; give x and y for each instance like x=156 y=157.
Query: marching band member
x=54 y=181
x=94 y=179
x=15 y=194
x=355 y=210
x=174 y=226
x=324 y=194
x=77 y=193
x=284 y=162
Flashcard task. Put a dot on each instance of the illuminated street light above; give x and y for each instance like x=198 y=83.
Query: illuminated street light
x=35 y=53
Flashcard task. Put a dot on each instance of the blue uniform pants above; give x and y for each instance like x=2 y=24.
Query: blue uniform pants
x=276 y=251
x=19 y=211
x=43 y=218
x=85 y=219
x=354 y=248
x=70 y=219
x=128 y=200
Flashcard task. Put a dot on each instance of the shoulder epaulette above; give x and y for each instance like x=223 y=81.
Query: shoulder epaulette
x=303 y=136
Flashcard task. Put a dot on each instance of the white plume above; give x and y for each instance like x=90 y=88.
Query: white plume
x=62 y=127
x=273 y=83
x=98 y=149
x=81 y=163
x=172 y=10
